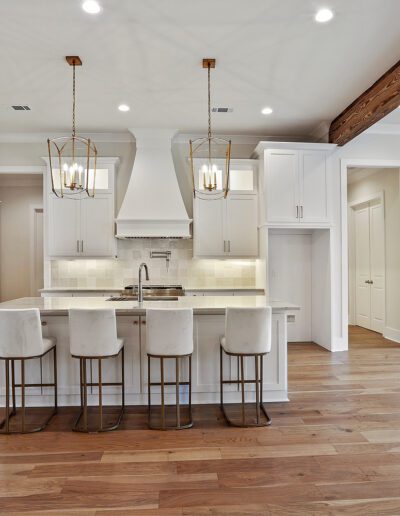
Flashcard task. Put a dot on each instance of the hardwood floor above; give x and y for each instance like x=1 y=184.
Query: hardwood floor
x=334 y=449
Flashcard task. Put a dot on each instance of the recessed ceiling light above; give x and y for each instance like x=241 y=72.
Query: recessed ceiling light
x=267 y=111
x=91 y=7
x=323 y=15
x=123 y=107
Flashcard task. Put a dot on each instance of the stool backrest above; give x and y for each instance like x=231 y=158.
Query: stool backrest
x=248 y=330
x=93 y=332
x=20 y=333
x=169 y=331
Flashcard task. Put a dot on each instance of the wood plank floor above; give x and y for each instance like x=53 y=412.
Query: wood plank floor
x=334 y=449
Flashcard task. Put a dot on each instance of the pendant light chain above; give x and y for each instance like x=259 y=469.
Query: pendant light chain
x=73 y=100
x=209 y=101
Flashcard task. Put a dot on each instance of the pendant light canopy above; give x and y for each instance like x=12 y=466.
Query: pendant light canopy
x=72 y=159
x=210 y=157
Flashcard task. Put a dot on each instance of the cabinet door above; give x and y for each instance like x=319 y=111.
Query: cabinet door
x=97 y=226
x=208 y=227
x=313 y=187
x=241 y=217
x=63 y=227
x=281 y=169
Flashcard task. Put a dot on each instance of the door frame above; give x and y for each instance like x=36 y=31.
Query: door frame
x=33 y=209
x=379 y=198
x=346 y=163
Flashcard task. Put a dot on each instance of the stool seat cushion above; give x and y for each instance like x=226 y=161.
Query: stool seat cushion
x=169 y=331
x=21 y=334
x=247 y=330
x=93 y=332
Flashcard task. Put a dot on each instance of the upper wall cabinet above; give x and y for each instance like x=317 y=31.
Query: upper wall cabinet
x=82 y=228
x=296 y=185
x=227 y=228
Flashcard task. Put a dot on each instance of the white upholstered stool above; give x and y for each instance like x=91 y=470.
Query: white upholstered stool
x=93 y=336
x=247 y=334
x=169 y=335
x=20 y=340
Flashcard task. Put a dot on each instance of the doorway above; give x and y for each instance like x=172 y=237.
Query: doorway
x=36 y=252
x=368 y=275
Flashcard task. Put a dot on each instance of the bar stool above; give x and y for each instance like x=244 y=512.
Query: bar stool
x=169 y=336
x=21 y=339
x=93 y=336
x=247 y=334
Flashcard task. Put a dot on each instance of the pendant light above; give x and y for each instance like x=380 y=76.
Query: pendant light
x=72 y=159
x=210 y=173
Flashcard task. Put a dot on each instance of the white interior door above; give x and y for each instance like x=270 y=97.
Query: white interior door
x=370 y=266
x=377 y=260
x=363 y=267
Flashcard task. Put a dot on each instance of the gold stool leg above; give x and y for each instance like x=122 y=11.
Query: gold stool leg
x=257 y=390
x=100 y=395
x=85 y=418
x=23 y=393
x=242 y=384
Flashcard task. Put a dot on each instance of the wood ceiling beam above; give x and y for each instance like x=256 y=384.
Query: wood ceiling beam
x=370 y=107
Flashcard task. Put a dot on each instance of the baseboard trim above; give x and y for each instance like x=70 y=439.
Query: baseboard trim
x=391 y=334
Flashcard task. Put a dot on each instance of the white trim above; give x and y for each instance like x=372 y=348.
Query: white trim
x=345 y=163
x=297 y=145
x=391 y=334
x=22 y=169
x=33 y=208
x=379 y=196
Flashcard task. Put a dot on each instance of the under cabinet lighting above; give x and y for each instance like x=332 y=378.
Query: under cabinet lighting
x=323 y=15
x=91 y=7
x=123 y=107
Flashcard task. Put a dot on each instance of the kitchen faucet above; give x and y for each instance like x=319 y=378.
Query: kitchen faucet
x=140 y=290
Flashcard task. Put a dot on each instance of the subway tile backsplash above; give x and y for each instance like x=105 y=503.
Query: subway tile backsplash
x=182 y=268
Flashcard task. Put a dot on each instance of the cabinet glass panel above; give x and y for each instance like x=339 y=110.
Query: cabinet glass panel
x=102 y=179
x=241 y=179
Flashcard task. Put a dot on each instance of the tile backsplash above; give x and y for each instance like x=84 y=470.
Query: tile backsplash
x=182 y=268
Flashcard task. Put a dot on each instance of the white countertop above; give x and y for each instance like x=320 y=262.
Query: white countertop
x=202 y=305
x=119 y=289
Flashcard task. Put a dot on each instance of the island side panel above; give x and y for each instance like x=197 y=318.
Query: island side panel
x=205 y=363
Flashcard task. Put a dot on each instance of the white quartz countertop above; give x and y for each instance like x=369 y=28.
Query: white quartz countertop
x=202 y=305
x=118 y=289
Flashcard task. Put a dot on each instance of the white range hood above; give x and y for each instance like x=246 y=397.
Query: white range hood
x=153 y=206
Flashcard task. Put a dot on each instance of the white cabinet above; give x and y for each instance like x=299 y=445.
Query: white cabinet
x=225 y=227
x=82 y=227
x=296 y=183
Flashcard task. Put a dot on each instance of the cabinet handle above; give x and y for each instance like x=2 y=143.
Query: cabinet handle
x=77 y=246
x=82 y=246
x=229 y=246
x=224 y=246
x=297 y=212
x=301 y=212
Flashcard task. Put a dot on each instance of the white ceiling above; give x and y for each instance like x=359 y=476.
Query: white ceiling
x=147 y=53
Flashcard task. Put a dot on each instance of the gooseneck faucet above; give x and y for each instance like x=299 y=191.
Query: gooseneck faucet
x=140 y=292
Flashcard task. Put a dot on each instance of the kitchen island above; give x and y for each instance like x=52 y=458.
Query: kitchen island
x=209 y=322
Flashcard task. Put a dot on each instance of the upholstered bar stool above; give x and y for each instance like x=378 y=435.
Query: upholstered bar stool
x=247 y=334
x=21 y=340
x=169 y=335
x=93 y=336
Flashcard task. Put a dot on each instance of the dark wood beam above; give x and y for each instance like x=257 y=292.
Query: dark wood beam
x=370 y=107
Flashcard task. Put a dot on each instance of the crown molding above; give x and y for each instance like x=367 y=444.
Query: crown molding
x=243 y=139
x=125 y=137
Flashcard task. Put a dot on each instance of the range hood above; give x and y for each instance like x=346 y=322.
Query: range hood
x=153 y=206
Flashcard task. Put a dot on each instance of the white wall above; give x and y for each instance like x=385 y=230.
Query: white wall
x=15 y=236
x=386 y=180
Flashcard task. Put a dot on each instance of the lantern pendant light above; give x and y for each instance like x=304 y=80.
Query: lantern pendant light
x=72 y=159
x=211 y=177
